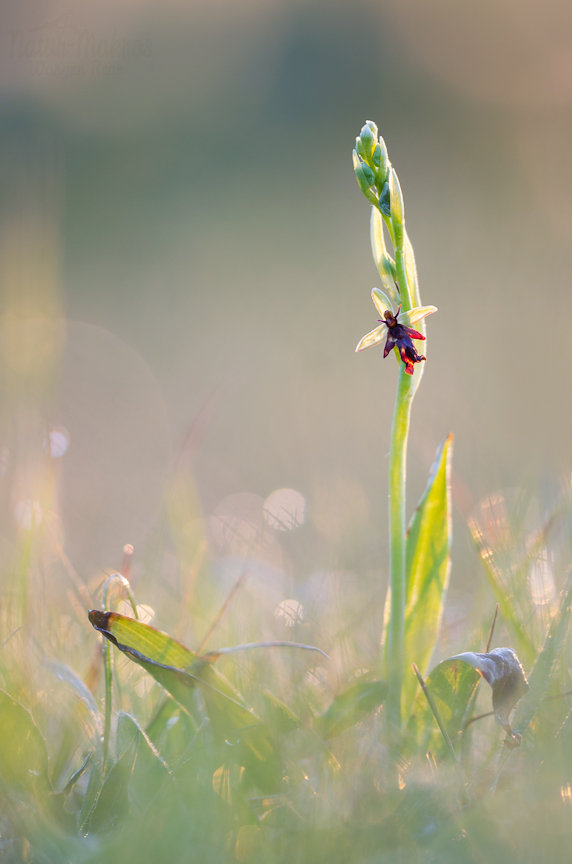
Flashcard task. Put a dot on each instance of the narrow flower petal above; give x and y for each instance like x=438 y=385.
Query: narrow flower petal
x=416 y=314
x=382 y=301
x=415 y=334
x=374 y=338
x=389 y=346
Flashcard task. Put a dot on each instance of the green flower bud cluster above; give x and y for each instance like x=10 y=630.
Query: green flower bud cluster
x=378 y=181
x=372 y=167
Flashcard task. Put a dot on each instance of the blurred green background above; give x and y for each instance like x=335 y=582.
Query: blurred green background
x=177 y=188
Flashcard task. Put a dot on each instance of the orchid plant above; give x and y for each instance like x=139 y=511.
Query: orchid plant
x=399 y=306
x=420 y=552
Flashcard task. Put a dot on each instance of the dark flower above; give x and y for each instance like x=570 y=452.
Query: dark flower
x=393 y=327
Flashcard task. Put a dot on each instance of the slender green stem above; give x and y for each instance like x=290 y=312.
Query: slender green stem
x=397 y=478
x=397 y=500
x=108 y=658
x=107 y=661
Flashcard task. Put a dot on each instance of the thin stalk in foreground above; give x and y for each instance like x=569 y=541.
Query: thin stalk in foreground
x=467 y=789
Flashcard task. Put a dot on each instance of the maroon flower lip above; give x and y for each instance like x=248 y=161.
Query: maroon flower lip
x=398 y=334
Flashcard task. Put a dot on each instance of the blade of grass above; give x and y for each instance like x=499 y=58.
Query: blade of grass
x=218 y=617
x=465 y=784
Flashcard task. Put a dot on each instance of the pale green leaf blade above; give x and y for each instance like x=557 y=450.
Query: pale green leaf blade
x=428 y=563
x=150 y=773
x=112 y=805
x=350 y=707
x=23 y=754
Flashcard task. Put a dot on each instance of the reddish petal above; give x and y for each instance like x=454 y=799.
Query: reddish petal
x=408 y=354
x=414 y=333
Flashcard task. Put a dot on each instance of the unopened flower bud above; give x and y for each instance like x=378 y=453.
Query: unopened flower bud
x=368 y=141
x=385 y=200
x=365 y=178
x=376 y=156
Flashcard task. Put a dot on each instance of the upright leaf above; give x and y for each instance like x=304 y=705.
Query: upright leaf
x=428 y=564
x=112 y=805
x=23 y=754
x=149 y=771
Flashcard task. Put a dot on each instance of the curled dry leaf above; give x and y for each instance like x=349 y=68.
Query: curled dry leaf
x=502 y=669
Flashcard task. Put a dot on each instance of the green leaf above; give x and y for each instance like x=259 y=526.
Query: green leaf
x=94 y=785
x=149 y=771
x=170 y=729
x=451 y=684
x=74 y=724
x=428 y=563
x=350 y=707
x=177 y=669
x=112 y=805
x=540 y=677
x=280 y=718
x=180 y=671
x=23 y=754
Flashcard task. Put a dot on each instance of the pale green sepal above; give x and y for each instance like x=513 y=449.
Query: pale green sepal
x=411 y=270
x=428 y=545
x=417 y=314
x=385 y=264
x=397 y=212
x=381 y=301
x=374 y=338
